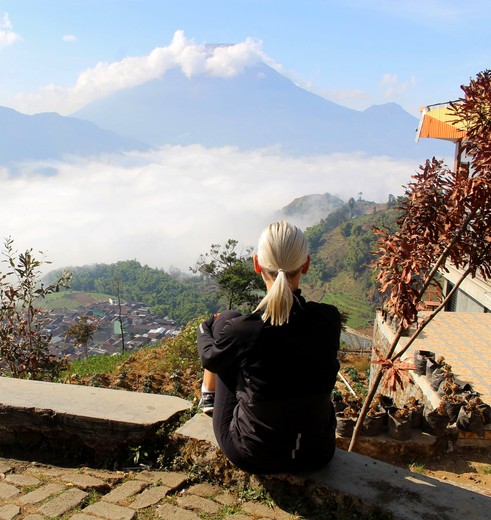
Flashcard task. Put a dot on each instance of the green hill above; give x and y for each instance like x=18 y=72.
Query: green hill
x=342 y=248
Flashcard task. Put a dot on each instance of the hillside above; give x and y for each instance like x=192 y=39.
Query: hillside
x=342 y=248
x=182 y=298
x=310 y=209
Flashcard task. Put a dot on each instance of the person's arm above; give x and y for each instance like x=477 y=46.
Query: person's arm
x=217 y=355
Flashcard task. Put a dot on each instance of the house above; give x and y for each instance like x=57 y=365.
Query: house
x=438 y=122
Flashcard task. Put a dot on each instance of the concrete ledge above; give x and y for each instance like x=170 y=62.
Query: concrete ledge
x=366 y=483
x=101 y=419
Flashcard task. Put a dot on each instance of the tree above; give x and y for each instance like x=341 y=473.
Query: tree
x=182 y=299
x=237 y=282
x=351 y=206
x=24 y=343
x=392 y=201
x=82 y=331
x=446 y=217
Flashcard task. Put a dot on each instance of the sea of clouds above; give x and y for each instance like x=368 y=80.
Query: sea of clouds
x=166 y=207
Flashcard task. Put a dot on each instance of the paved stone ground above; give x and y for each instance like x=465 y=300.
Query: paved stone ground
x=463 y=339
x=34 y=491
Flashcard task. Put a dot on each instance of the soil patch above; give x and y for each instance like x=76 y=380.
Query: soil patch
x=82 y=298
x=464 y=467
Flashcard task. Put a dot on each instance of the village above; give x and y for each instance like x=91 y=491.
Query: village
x=121 y=327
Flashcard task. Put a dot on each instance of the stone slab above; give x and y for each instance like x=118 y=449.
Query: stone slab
x=124 y=491
x=150 y=497
x=105 y=421
x=9 y=511
x=110 y=511
x=63 y=503
x=171 y=512
x=199 y=427
x=90 y=402
x=40 y=494
x=7 y=491
x=22 y=480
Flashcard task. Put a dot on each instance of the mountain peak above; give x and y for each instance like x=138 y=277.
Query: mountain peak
x=256 y=108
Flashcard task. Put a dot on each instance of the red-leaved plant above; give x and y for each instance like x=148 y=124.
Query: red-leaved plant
x=445 y=217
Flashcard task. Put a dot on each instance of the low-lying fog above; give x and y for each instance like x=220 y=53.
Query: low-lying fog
x=166 y=207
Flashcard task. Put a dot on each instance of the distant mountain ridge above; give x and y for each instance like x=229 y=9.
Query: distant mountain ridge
x=51 y=136
x=257 y=108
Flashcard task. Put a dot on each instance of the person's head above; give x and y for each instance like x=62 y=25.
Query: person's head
x=282 y=257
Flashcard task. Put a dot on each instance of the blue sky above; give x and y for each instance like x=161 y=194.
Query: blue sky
x=166 y=206
x=356 y=53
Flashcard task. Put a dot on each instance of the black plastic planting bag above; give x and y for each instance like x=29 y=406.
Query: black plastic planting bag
x=420 y=360
x=470 y=421
x=375 y=423
x=345 y=425
x=435 y=422
x=399 y=428
x=437 y=377
x=453 y=409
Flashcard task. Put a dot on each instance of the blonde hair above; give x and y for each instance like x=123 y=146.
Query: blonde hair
x=282 y=251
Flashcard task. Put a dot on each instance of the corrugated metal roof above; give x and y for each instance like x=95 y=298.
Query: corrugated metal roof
x=438 y=122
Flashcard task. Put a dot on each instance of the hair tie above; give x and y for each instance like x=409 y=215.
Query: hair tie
x=281 y=271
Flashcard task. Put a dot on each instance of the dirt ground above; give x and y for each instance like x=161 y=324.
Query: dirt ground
x=467 y=467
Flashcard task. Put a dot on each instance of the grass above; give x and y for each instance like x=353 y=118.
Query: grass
x=416 y=467
x=94 y=365
x=348 y=295
x=70 y=300
x=360 y=314
x=486 y=469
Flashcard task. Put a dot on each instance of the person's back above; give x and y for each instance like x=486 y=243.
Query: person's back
x=273 y=411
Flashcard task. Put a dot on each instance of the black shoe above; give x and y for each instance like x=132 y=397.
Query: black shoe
x=207 y=401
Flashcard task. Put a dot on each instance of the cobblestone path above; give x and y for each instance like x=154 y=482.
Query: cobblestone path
x=34 y=491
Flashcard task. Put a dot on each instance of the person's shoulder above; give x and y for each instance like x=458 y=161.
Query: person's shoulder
x=247 y=320
x=324 y=309
x=244 y=327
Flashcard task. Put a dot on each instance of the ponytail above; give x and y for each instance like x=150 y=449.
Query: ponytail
x=282 y=252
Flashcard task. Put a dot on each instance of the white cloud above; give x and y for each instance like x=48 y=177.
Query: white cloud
x=166 y=207
x=69 y=38
x=104 y=77
x=7 y=35
x=393 y=86
x=228 y=61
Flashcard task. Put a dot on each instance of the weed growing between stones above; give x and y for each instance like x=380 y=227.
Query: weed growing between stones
x=416 y=467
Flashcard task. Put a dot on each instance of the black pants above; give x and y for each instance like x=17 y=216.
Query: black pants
x=225 y=403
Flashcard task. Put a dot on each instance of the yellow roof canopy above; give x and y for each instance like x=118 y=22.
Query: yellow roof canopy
x=438 y=122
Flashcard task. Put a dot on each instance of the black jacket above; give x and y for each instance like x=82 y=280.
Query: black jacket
x=284 y=376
